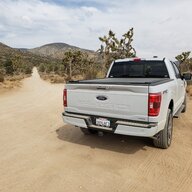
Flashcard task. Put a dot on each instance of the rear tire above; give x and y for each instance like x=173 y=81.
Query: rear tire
x=88 y=131
x=185 y=105
x=164 y=137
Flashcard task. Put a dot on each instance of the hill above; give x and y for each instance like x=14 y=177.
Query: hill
x=17 y=61
x=57 y=50
x=49 y=61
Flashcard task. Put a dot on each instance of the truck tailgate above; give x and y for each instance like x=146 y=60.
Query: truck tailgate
x=115 y=101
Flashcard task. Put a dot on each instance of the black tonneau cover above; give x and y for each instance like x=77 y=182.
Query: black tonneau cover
x=124 y=81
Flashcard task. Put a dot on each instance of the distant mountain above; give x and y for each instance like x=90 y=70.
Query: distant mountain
x=22 y=49
x=23 y=58
x=56 y=50
x=6 y=52
x=49 y=55
x=4 y=48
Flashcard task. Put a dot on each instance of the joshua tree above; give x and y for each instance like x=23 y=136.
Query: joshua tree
x=79 y=63
x=17 y=62
x=183 y=56
x=75 y=62
x=184 y=60
x=112 y=48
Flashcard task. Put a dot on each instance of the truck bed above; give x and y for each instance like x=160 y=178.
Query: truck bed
x=124 y=81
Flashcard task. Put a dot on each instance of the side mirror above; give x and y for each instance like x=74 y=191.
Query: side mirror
x=187 y=76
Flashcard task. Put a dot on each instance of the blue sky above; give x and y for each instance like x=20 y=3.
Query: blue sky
x=161 y=27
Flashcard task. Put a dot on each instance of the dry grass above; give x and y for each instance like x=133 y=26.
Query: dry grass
x=101 y=75
x=52 y=78
x=11 y=82
x=16 y=77
x=7 y=85
x=77 y=77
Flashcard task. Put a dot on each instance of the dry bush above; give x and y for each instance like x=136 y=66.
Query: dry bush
x=1 y=78
x=57 y=79
x=187 y=89
x=17 y=77
x=11 y=82
x=77 y=77
x=52 y=78
x=101 y=75
x=190 y=90
x=91 y=73
x=6 y=85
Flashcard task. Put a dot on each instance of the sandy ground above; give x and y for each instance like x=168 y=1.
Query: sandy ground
x=39 y=153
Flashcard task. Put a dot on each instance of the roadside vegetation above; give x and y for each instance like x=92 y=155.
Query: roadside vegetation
x=77 y=64
x=186 y=67
x=13 y=67
x=16 y=65
x=185 y=61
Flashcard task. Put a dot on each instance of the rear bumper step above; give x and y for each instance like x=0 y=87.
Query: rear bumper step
x=118 y=122
x=123 y=127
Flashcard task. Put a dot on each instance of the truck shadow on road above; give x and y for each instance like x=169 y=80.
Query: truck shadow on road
x=112 y=142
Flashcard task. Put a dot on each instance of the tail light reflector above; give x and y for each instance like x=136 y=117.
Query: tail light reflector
x=154 y=104
x=65 y=97
x=136 y=59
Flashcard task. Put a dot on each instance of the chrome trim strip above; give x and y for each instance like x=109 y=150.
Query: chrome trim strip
x=76 y=116
x=135 y=124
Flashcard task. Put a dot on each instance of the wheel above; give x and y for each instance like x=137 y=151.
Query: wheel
x=185 y=105
x=164 y=137
x=88 y=131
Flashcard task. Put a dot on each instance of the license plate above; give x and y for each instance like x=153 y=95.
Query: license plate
x=102 y=122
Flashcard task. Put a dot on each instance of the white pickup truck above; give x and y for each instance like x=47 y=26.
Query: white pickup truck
x=138 y=97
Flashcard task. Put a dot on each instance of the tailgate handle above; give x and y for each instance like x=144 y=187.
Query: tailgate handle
x=102 y=88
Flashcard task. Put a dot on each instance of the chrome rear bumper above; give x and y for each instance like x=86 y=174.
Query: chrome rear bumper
x=124 y=127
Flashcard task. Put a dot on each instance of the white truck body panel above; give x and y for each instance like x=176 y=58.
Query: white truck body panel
x=119 y=103
x=124 y=102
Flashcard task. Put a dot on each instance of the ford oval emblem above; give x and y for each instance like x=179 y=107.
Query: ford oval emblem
x=101 y=98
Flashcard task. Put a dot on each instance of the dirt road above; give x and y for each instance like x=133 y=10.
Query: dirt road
x=39 y=153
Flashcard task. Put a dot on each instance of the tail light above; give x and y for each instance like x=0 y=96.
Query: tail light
x=65 y=97
x=136 y=59
x=154 y=104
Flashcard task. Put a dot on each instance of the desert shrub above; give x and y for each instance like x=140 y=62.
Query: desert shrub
x=8 y=65
x=57 y=79
x=101 y=74
x=61 y=70
x=91 y=73
x=56 y=69
x=1 y=77
x=189 y=90
x=49 y=68
x=42 y=68
x=28 y=70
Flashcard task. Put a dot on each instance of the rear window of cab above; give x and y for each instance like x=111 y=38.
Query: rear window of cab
x=139 y=69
